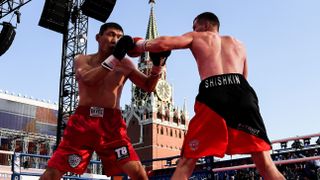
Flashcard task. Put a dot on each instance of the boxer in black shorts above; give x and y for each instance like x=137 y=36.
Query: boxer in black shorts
x=227 y=118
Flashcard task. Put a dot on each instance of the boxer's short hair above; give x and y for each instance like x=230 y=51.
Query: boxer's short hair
x=210 y=17
x=108 y=25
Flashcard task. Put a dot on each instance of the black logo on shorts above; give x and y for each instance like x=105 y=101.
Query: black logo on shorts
x=248 y=129
x=74 y=160
x=122 y=152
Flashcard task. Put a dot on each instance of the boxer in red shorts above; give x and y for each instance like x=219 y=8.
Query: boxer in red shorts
x=97 y=124
x=227 y=118
x=94 y=129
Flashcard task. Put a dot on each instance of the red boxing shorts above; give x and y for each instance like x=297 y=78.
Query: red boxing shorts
x=227 y=119
x=94 y=129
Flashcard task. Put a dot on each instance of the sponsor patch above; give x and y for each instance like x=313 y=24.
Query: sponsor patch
x=122 y=152
x=194 y=144
x=74 y=160
x=96 y=112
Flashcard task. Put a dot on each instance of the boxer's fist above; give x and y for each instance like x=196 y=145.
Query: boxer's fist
x=159 y=58
x=124 y=44
x=139 y=47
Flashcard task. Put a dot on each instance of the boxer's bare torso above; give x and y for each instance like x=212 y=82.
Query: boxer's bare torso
x=106 y=92
x=213 y=53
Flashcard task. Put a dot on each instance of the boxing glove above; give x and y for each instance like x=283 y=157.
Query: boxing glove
x=139 y=47
x=124 y=44
x=159 y=58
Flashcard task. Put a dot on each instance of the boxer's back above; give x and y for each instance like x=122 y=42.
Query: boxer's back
x=217 y=54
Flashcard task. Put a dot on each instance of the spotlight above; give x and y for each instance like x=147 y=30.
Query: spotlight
x=82 y=38
x=6 y=37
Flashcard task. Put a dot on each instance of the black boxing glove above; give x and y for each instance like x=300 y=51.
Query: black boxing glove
x=124 y=44
x=159 y=58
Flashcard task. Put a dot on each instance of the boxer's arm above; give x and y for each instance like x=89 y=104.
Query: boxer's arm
x=147 y=83
x=86 y=73
x=166 y=43
x=138 y=48
x=163 y=43
x=245 y=69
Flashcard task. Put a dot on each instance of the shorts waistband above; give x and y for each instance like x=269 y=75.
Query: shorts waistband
x=222 y=80
x=94 y=111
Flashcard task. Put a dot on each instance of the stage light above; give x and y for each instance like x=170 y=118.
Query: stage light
x=98 y=9
x=55 y=15
x=6 y=37
x=82 y=38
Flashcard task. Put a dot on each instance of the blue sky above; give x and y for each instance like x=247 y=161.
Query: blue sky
x=282 y=40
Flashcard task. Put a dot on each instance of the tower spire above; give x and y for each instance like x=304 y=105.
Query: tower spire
x=152 y=31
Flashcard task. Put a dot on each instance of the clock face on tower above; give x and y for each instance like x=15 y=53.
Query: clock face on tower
x=163 y=90
x=139 y=94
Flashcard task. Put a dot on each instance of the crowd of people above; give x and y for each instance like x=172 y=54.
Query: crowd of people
x=308 y=170
x=296 y=171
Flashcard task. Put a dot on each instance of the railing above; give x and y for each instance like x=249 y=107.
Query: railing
x=22 y=169
x=21 y=165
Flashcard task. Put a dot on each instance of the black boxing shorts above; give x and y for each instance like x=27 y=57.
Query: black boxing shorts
x=227 y=119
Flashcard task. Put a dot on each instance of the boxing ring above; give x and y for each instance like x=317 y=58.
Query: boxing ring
x=21 y=166
x=18 y=171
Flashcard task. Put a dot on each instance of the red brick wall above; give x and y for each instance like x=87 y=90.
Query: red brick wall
x=158 y=145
